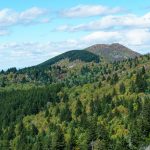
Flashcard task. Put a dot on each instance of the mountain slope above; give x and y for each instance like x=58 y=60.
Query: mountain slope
x=113 y=52
x=104 y=104
x=64 y=64
x=81 y=55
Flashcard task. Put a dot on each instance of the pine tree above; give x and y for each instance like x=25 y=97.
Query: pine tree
x=140 y=82
x=114 y=79
x=122 y=88
x=143 y=70
x=60 y=140
x=78 y=108
x=34 y=130
x=132 y=87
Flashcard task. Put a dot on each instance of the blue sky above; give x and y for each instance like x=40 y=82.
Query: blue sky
x=32 y=31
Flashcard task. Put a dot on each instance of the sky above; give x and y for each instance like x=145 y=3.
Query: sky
x=32 y=31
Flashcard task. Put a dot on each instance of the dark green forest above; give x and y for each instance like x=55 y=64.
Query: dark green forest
x=90 y=105
x=82 y=55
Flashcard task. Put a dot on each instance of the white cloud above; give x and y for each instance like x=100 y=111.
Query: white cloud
x=9 y=17
x=110 y=22
x=32 y=13
x=89 y=10
x=136 y=36
x=102 y=37
x=131 y=37
x=136 y=39
x=3 y=32
x=32 y=53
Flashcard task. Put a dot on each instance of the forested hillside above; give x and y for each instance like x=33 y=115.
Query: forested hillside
x=92 y=105
x=72 y=55
x=50 y=71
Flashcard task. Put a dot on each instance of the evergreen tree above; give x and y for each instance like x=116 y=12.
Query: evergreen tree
x=78 y=108
x=122 y=88
x=114 y=79
x=140 y=82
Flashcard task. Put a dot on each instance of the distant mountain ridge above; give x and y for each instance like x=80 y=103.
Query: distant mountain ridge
x=112 y=52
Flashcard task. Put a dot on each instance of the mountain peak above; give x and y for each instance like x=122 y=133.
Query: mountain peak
x=112 y=52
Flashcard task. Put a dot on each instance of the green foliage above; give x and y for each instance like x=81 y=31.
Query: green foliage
x=140 y=82
x=114 y=79
x=14 y=105
x=81 y=110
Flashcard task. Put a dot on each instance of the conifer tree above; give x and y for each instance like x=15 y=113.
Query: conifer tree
x=122 y=88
